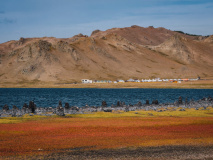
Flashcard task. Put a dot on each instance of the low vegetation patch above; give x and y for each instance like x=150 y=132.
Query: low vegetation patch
x=36 y=135
x=57 y=134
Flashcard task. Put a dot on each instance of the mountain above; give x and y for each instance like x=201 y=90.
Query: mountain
x=117 y=53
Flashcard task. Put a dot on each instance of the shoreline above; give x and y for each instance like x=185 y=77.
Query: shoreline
x=149 y=108
x=200 y=84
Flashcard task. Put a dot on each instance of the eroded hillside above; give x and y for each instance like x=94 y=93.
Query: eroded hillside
x=119 y=53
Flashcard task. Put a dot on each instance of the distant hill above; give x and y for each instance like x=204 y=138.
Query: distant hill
x=117 y=53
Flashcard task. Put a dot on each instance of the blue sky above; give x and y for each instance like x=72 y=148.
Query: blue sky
x=66 y=18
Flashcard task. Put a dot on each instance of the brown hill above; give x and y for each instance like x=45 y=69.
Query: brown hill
x=209 y=39
x=186 y=51
x=144 y=36
x=119 y=53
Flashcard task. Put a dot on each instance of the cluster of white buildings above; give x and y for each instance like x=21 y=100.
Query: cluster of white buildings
x=137 y=80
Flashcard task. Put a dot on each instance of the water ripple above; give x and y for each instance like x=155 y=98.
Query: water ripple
x=49 y=97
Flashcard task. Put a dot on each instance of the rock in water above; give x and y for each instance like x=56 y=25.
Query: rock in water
x=60 y=103
x=139 y=104
x=104 y=104
x=155 y=102
x=67 y=106
x=118 y=104
x=14 y=107
x=6 y=107
x=25 y=106
x=32 y=106
x=180 y=101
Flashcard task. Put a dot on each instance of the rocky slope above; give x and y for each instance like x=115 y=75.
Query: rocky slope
x=118 y=53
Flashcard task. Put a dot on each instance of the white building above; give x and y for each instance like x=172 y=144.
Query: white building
x=130 y=80
x=121 y=81
x=137 y=80
x=158 y=79
x=86 y=81
x=146 y=80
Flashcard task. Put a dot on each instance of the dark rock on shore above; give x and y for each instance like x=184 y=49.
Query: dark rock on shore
x=108 y=110
x=60 y=109
x=104 y=104
x=6 y=107
x=32 y=106
x=155 y=102
x=180 y=101
x=203 y=104
x=139 y=104
x=67 y=106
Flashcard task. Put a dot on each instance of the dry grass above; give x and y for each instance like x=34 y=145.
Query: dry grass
x=202 y=84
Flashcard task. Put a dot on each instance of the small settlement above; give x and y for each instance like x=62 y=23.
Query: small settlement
x=139 y=81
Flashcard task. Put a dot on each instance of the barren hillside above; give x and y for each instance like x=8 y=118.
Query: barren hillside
x=119 y=53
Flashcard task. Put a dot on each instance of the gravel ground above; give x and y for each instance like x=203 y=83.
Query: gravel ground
x=146 y=153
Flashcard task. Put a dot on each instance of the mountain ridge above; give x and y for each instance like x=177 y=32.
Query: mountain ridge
x=118 y=53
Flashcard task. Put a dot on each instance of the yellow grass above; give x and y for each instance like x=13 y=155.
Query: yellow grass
x=116 y=114
x=188 y=113
x=24 y=118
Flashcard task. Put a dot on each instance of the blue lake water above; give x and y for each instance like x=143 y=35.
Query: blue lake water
x=49 y=97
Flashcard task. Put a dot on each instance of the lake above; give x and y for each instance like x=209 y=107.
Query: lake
x=49 y=97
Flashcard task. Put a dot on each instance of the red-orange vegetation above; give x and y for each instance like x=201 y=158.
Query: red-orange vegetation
x=55 y=134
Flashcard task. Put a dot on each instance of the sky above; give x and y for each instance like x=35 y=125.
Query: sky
x=66 y=18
